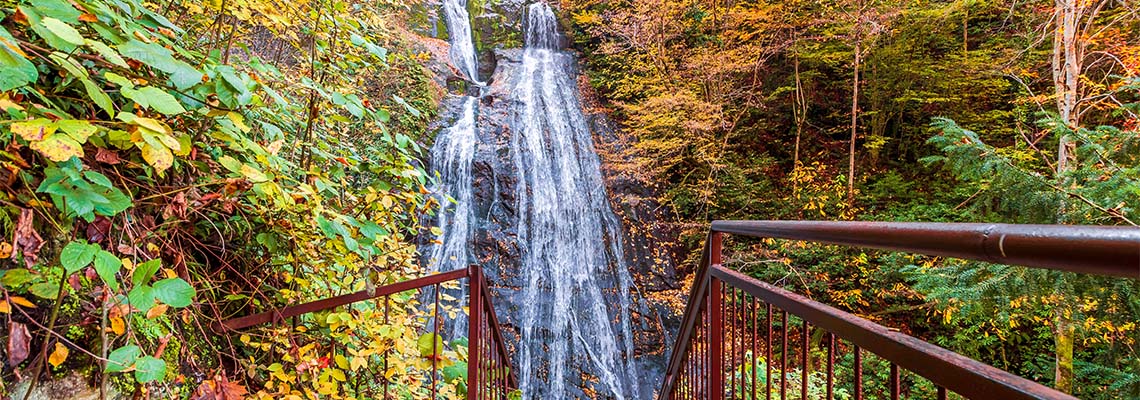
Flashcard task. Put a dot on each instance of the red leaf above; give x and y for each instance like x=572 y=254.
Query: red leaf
x=28 y=241
x=219 y=388
x=19 y=342
x=107 y=157
x=97 y=230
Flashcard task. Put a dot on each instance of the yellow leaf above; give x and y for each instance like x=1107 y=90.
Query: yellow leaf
x=156 y=311
x=118 y=326
x=34 y=130
x=21 y=301
x=158 y=157
x=58 y=148
x=5 y=307
x=59 y=355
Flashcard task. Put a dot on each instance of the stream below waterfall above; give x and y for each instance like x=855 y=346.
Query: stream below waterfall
x=517 y=170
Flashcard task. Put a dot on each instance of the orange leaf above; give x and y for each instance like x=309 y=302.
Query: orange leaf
x=59 y=355
x=21 y=301
x=118 y=326
x=5 y=307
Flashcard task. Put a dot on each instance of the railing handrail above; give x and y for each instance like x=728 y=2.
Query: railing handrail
x=479 y=306
x=1116 y=252
x=1103 y=250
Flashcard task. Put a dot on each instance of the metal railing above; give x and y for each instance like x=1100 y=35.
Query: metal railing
x=489 y=375
x=734 y=323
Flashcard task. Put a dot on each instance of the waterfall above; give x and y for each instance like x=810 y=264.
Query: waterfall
x=571 y=300
x=577 y=287
x=452 y=155
x=462 y=46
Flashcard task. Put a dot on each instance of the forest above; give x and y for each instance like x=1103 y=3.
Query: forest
x=170 y=165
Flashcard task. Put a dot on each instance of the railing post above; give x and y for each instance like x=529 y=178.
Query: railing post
x=475 y=322
x=716 y=323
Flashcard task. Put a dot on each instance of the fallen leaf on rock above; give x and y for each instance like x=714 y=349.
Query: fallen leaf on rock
x=59 y=355
x=18 y=342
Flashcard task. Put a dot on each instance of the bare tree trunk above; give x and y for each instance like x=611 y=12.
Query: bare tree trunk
x=1066 y=78
x=854 y=122
x=799 y=111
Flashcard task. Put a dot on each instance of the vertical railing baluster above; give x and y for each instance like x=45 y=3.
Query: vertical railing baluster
x=941 y=393
x=753 y=319
x=435 y=346
x=768 y=353
x=783 y=354
x=858 y=373
x=895 y=384
x=716 y=331
x=474 y=331
x=387 y=382
x=805 y=362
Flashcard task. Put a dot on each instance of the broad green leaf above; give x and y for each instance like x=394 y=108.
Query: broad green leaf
x=62 y=30
x=14 y=278
x=15 y=69
x=36 y=20
x=107 y=265
x=58 y=9
x=77 y=255
x=162 y=101
x=149 y=369
x=122 y=358
x=107 y=53
x=183 y=75
x=145 y=271
x=118 y=79
x=174 y=292
x=46 y=290
x=141 y=297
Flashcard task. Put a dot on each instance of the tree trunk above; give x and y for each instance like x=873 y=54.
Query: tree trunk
x=1066 y=78
x=1063 y=332
x=854 y=123
x=799 y=111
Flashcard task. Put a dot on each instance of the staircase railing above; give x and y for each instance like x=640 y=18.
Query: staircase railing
x=734 y=323
x=489 y=375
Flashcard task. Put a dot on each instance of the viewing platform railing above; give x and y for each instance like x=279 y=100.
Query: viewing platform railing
x=489 y=375
x=734 y=323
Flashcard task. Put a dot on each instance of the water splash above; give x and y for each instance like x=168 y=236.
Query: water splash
x=577 y=287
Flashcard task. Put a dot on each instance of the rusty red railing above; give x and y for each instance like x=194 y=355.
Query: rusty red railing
x=489 y=375
x=739 y=336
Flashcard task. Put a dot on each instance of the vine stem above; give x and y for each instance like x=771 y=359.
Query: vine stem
x=47 y=336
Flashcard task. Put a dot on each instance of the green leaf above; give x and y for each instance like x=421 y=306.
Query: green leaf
x=149 y=369
x=53 y=40
x=141 y=297
x=77 y=255
x=145 y=271
x=63 y=31
x=152 y=97
x=174 y=292
x=46 y=290
x=107 y=53
x=425 y=343
x=15 y=69
x=58 y=9
x=14 y=278
x=183 y=75
x=122 y=358
x=107 y=265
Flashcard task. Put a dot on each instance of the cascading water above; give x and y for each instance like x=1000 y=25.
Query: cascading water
x=571 y=292
x=577 y=287
x=462 y=47
x=452 y=156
